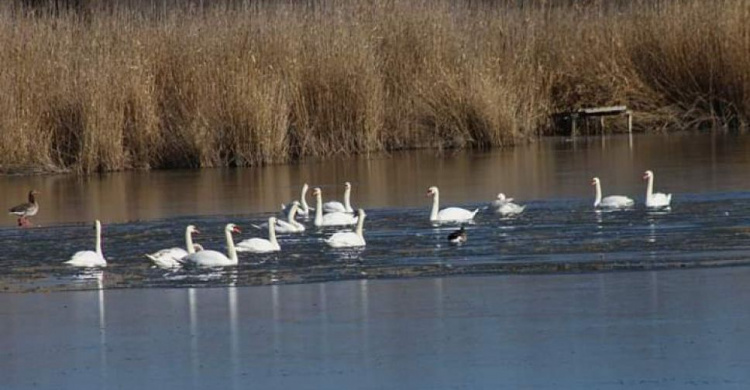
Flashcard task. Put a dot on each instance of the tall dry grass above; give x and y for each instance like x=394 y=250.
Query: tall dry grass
x=244 y=83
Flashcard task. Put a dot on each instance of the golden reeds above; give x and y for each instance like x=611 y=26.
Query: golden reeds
x=246 y=84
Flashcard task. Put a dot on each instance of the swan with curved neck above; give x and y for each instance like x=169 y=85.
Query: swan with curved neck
x=448 y=214
x=338 y=207
x=330 y=219
x=303 y=208
x=349 y=239
x=655 y=200
x=612 y=201
x=211 y=258
x=170 y=258
x=93 y=258
x=261 y=245
x=505 y=206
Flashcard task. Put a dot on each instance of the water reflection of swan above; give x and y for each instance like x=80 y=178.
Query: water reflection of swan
x=349 y=239
x=170 y=258
x=449 y=214
x=330 y=219
x=612 y=201
x=261 y=245
x=338 y=207
x=655 y=200
x=211 y=258
x=90 y=258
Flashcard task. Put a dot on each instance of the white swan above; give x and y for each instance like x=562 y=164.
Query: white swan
x=655 y=200
x=448 y=214
x=290 y=225
x=338 y=207
x=304 y=209
x=211 y=258
x=170 y=258
x=612 y=201
x=349 y=239
x=90 y=258
x=261 y=245
x=505 y=206
x=330 y=219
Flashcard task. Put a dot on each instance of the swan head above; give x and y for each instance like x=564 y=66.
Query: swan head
x=193 y=229
x=594 y=181
x=232 y=228
x=348 y=186
x=272 y=221
x=501 y=196
x=432 y=191
x=361 y=213
x=317 y=192
x=647 y=175
x=296 y=203
x=305 y=187
x=97 y=225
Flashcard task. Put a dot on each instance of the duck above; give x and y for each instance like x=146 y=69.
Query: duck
x=449 y=214
x=212 y=258
x=349 y=239
x=656 y=200
x=612 y=201
x=90 y=259
x=261 y=245
x=303 y=209
x=25 y=210
x=338 y=207
x=505 y=206
x=330 y=219
x=459 y=236
x=170 y=258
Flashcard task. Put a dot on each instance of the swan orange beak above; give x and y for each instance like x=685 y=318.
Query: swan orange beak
x=593 y=183
x=196 y=231
x=645 y=177
x=237 y=229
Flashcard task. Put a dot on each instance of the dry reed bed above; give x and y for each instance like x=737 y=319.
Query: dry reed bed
x=116 y=91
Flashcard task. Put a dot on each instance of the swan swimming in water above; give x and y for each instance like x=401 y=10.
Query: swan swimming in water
x=330 y=219
x=304 y=209
x=505 y=206
x=290 y=225
x=261 y=245
x=93 y=258
x=448 y=214
x=655 y=200
x=211 y=258
x=338 y=207
x=170 y=258
x=349 y=239
x=612 y=201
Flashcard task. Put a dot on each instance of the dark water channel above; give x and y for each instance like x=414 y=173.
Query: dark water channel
x=708 y=224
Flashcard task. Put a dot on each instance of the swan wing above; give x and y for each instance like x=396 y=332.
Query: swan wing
x=87 y=259
x=616 y=201
x=334 y=207
x=168 y=258
x=207 y=258
x=456 y=214
x=345 y=240
x=286 y=227
x=659 y=200
x=256 y=245
x=339 y=219
x=510 y=209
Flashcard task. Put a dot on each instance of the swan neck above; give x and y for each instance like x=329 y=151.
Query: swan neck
x=318 y=209
x=189 y=241
x=347 y=199
x=598 y=198
x=303 y=199
x=272 y=233
x=230 y=246
x=360 y=225
x=435 y=205
x=292 y=213
x=99 y=239
x=650 y=187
